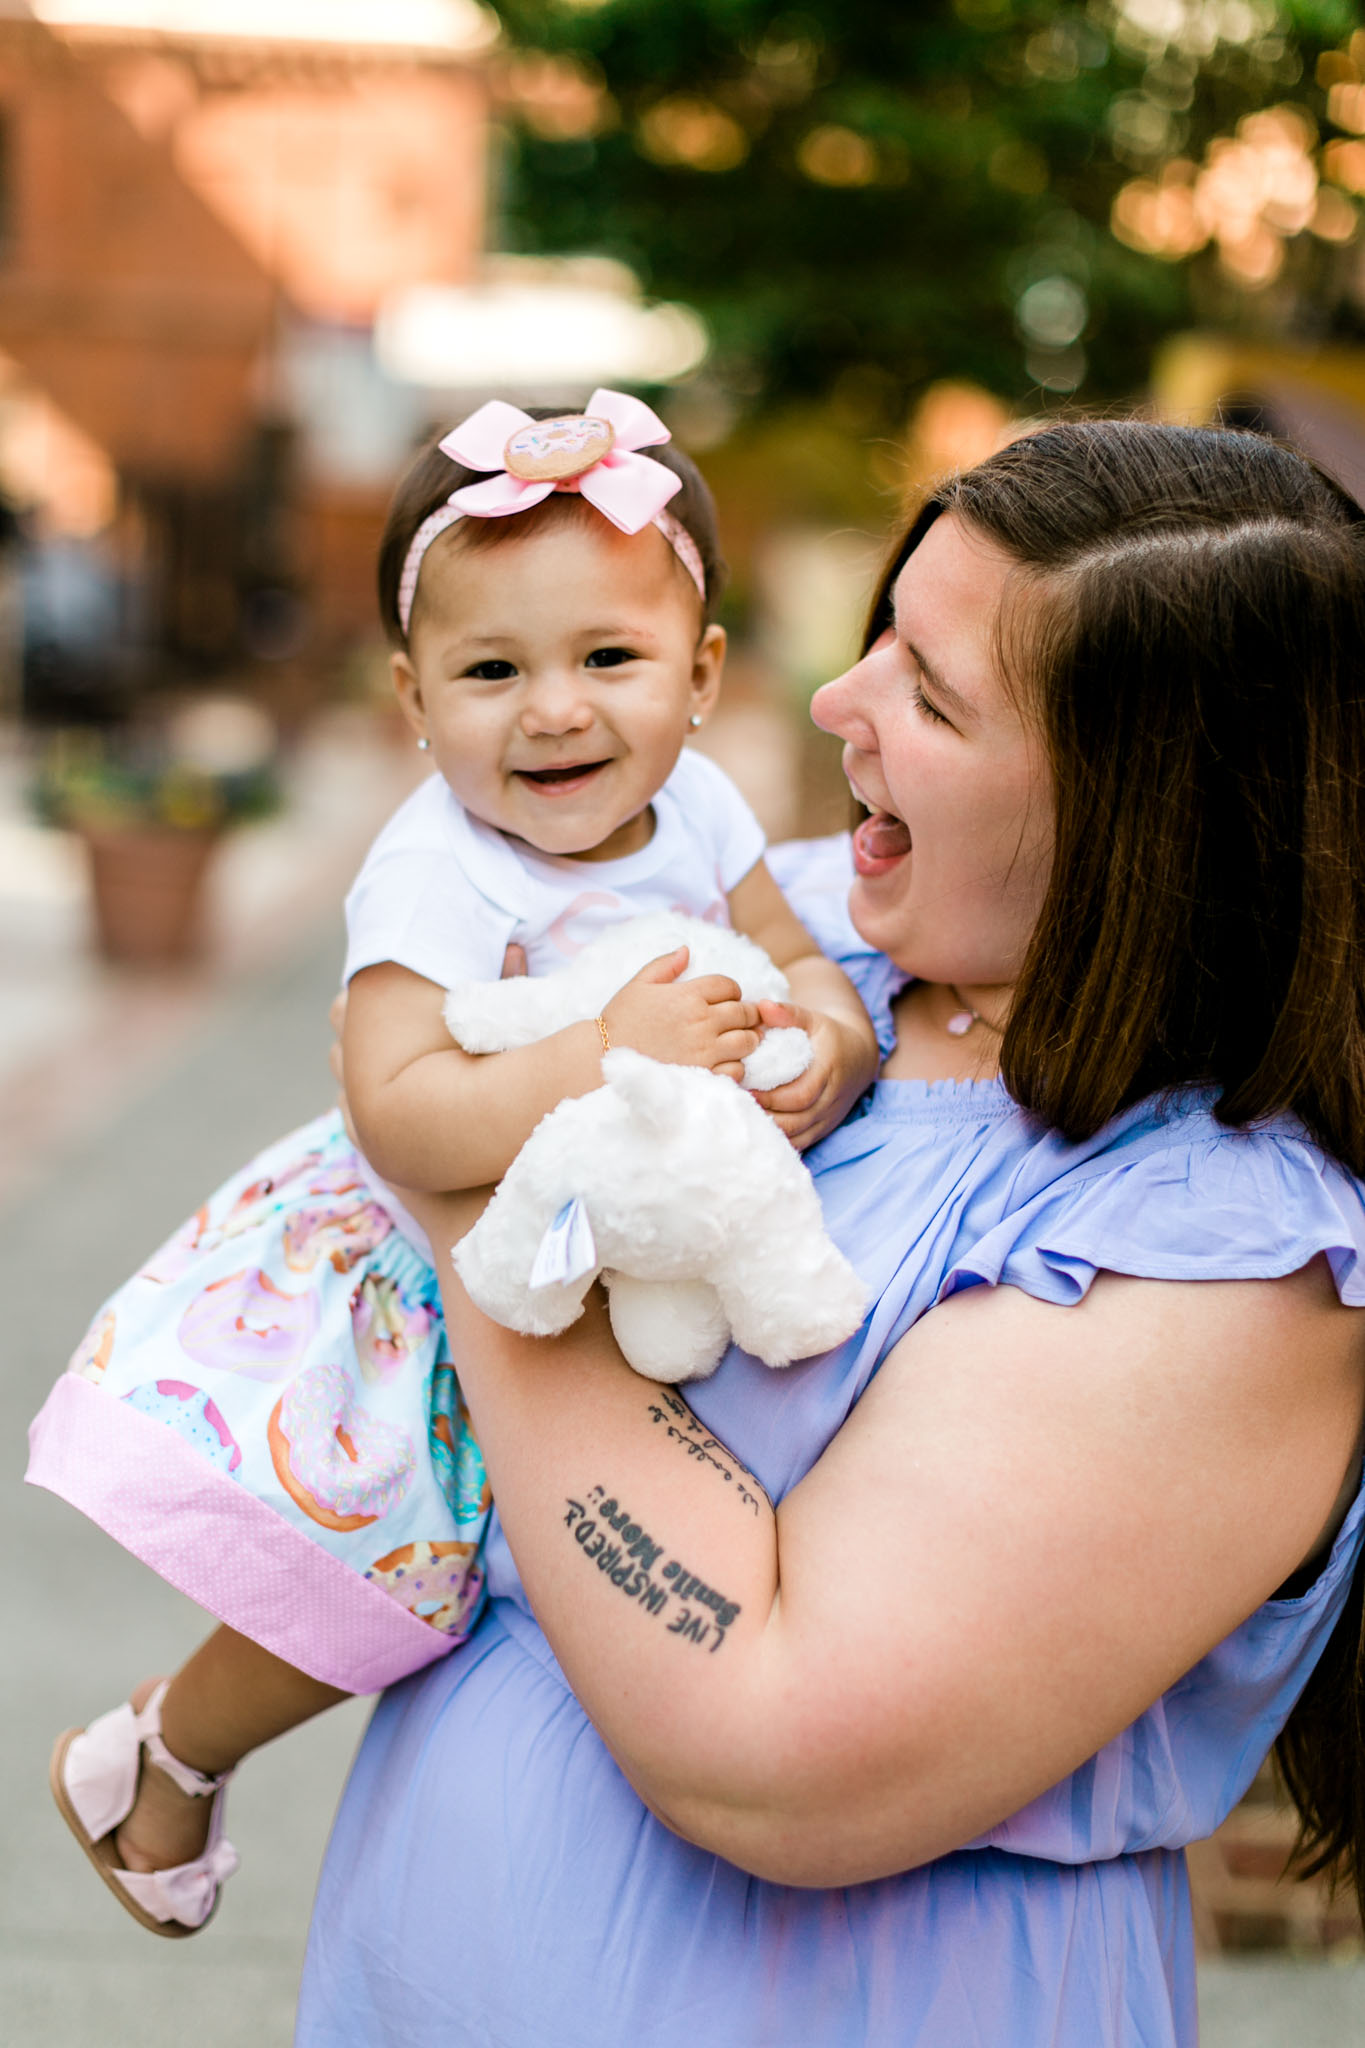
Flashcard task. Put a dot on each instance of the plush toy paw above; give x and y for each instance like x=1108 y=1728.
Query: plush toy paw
x=669 y=1330
x=783 y=1053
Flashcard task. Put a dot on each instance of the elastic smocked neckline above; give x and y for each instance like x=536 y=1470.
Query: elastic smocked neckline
x=911 y=1098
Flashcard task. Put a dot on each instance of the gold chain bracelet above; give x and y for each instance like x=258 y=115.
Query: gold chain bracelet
x=602 y=1027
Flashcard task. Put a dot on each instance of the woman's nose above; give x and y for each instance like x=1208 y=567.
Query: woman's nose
x=844 y=707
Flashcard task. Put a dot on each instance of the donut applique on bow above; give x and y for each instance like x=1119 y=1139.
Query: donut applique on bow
x=592 y=452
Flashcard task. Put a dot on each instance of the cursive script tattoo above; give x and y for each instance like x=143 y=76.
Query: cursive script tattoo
x=691 y=1437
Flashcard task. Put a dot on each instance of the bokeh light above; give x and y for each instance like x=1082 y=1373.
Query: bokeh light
x=1253 y=192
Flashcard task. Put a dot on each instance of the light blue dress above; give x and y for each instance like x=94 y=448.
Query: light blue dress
x=493 y=1882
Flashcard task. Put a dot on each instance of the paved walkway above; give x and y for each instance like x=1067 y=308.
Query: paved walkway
x=124 y=1097
x=1260 y=2002
x=82 y=1622
x=242 y=1060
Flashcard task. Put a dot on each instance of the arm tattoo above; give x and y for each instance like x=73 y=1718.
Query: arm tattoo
x=683 y=1429
x=627 y=1555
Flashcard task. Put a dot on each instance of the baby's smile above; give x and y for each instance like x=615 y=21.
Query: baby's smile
x=570 y=776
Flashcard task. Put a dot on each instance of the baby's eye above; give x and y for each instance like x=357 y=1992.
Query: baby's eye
x=490 y=671
x=608 y=657
x=930 y=711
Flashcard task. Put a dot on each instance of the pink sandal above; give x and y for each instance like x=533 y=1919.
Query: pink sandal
x=94 y=1775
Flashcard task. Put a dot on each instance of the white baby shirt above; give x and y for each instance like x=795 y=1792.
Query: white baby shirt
x=443 y=895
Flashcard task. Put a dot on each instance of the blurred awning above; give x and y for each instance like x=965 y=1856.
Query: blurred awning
x=536 y=326
x=430 y=28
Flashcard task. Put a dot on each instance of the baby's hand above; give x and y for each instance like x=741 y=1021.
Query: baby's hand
x=843 y=1067
x=701 y=1023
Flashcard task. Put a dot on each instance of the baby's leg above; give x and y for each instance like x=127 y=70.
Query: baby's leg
x=229 y=1698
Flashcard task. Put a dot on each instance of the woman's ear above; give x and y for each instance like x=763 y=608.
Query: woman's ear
x=707 y=664
x=409 y=693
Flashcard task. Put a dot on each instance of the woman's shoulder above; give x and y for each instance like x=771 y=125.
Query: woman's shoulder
x=1166 y=1192
x=936 y=1187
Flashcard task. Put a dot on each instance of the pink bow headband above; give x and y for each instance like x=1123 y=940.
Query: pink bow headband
x=591 y=452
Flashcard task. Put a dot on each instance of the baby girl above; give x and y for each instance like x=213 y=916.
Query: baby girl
x=267 y=1413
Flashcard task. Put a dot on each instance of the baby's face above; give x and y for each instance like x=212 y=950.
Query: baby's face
x=555 y=675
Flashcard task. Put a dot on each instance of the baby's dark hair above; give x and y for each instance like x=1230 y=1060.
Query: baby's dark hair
x=432 y=476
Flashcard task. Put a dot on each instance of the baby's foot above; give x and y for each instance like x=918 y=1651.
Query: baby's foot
x=165 y=1826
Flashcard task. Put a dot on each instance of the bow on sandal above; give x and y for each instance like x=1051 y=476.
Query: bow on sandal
x=94 y=1776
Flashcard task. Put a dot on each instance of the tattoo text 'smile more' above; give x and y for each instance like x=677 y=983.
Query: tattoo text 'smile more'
x=628 y=1556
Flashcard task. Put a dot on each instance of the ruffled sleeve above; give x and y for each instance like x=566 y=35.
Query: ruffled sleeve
x=1181 y=1200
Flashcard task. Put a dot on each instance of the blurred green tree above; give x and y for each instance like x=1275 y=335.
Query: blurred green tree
x=863 y=195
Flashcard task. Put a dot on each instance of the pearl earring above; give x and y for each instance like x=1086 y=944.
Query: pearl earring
x=695 y=720
x=423 y=745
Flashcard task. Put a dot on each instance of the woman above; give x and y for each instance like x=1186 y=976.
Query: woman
x=1060 y=1536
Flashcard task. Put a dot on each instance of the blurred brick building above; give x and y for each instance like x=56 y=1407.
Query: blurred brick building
x=203 y=205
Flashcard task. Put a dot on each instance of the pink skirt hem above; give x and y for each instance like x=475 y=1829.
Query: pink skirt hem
x=216 y=1542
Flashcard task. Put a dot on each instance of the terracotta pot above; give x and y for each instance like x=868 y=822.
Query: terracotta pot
x=147 y=887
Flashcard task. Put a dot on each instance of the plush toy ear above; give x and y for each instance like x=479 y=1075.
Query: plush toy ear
x=648 y=1088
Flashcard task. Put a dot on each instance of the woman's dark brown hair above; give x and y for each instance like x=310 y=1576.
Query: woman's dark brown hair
x=432 y=476
x=1191 y=640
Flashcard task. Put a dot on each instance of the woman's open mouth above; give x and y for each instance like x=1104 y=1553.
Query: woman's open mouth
x=879 y=842
x=563 y=780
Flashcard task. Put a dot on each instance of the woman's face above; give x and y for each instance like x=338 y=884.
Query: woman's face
x=953 y=863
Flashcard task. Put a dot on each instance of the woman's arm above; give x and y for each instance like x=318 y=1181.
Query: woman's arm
x=824 y=1002
x=1034 y=1521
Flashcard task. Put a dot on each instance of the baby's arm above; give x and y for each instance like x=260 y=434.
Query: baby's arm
x=433 y=1117
x=824 y=1002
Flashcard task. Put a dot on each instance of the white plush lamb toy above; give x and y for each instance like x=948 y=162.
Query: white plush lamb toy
x=669 y=1182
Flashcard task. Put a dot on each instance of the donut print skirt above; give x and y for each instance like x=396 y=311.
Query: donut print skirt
x=268 y=1416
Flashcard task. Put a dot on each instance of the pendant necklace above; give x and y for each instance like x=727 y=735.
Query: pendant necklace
x=962 y=1020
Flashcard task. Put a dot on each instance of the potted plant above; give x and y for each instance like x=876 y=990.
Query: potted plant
x=151 y=805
